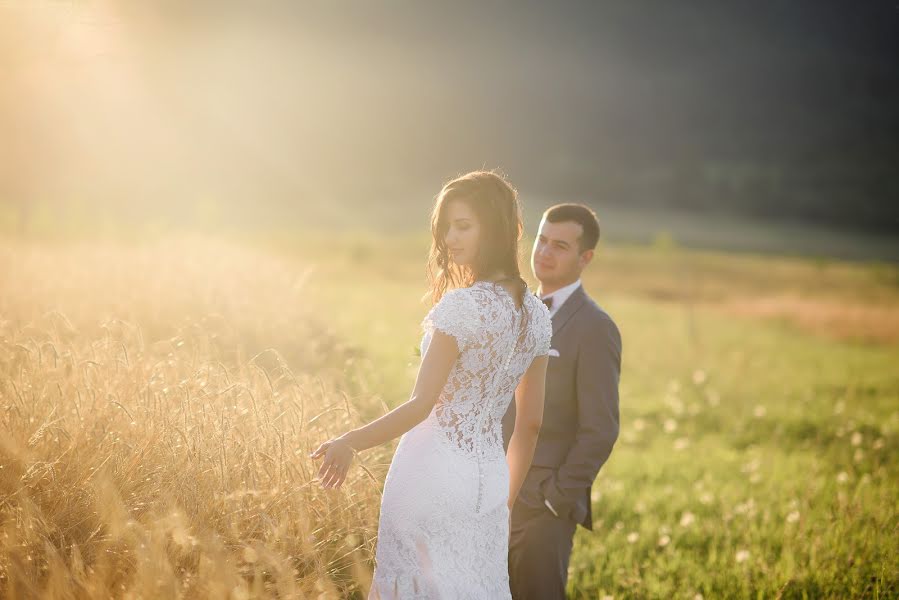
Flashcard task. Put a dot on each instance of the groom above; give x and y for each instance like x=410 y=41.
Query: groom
x=580 y=418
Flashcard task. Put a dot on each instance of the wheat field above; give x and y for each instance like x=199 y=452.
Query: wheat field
x=159 y=400
x=155 y=438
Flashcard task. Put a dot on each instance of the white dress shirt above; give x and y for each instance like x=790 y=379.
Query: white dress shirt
x=560 y=296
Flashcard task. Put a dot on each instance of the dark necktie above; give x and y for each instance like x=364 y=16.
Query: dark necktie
x=548 y=301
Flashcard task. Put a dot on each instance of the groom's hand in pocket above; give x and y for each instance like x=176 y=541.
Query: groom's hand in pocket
x=554 y=499
x=338 y=456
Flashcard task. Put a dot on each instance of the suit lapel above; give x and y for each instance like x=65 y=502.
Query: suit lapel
x=571 y=306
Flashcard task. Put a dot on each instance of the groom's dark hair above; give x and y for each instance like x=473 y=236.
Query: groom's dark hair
x=580 y=214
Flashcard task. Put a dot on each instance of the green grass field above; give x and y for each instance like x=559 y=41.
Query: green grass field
x=758 y=449
x=757 y=456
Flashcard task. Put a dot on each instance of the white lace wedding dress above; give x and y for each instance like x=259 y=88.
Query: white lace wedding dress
x=444 y=524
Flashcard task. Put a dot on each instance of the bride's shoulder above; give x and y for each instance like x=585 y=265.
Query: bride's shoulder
x=457 y=314
x=541 y=323
x=533 y=301
x=538 y=309
x=455 y=303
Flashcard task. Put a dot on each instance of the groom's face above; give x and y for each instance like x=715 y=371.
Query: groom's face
x=557 y=259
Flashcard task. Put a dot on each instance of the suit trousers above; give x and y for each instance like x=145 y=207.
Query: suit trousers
x=539 y=550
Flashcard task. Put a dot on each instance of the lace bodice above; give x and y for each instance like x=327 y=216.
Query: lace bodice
x=497 y=343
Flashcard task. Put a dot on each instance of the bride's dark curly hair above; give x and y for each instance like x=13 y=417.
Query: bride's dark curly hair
x=495 y=202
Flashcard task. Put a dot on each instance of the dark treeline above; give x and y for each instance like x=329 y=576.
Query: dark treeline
x=276 y=110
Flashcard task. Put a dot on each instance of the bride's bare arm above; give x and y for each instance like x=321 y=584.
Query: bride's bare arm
x=435 y=367
x=528 y=418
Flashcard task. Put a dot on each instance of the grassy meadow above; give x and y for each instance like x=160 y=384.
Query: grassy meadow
x=159 y=399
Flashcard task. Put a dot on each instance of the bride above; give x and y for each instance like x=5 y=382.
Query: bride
x=444 y=523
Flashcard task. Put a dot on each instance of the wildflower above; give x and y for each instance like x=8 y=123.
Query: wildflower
x=857 y=439
x=747 y=508
x=760 y=411
x=632 y=537
x=687 y=519
x=676 y=404
x=742 y=556
x=670 y=425
x=842 y=477
x=752 y=466
x=699 y=376
x=793 y=516
x=664 y=541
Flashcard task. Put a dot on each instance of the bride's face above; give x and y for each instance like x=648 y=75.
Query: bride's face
x=462 y=234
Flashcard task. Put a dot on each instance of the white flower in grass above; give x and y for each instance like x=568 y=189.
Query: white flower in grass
x=745 y=508
x=698 y=596
x=857 y=439
x=699 y=377
x=793 y=516
x=878 y=444
x=639 y=424
x=664 y=541
x=752 y=466
x=842 y=477
x=687 y=519
x=607 y=597
x=742 y=556
x=760 y=411
x=681 y=443
x=632 y=537
x=670 y=425
x=706 y=498
x=677 y=405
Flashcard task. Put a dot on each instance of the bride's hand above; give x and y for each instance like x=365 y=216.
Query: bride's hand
x=338 y=457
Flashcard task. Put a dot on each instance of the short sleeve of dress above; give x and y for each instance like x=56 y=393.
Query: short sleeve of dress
x=543 y=328
x=456 y=315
